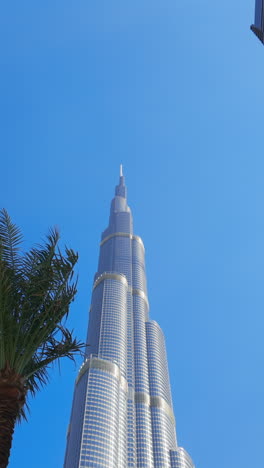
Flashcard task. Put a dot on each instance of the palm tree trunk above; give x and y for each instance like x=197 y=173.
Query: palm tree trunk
x=12 y=399
x=9 y=410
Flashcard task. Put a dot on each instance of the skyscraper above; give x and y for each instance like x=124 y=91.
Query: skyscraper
x=258 y=26
x=122 y=413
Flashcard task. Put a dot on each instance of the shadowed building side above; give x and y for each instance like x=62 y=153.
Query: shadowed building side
x=258 y=26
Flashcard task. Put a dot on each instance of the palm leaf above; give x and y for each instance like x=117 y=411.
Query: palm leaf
x=10 y=241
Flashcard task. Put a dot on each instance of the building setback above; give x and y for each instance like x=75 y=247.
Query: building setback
x=122 y=414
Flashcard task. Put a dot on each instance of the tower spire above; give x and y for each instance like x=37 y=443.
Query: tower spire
x=121 y=188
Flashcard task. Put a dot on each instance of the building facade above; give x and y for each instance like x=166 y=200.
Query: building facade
x=258 y=26
x=122 y=414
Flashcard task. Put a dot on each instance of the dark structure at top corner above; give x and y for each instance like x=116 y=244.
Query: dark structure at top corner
x=258 y=26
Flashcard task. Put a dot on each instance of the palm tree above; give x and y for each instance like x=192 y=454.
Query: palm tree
x=36 y=289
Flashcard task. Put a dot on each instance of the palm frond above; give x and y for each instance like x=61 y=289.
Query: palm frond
x=10 y=241
x=36 y=373
x=8 y=305
x=47 y=301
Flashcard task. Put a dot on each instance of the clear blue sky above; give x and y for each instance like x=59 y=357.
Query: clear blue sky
x=174 y=91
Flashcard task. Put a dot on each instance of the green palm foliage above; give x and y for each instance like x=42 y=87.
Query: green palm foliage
x=36 y=289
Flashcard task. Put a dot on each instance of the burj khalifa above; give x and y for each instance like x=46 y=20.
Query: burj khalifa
x=122 y=414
